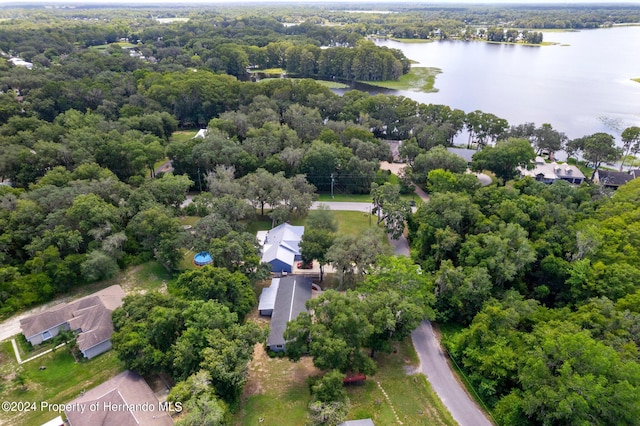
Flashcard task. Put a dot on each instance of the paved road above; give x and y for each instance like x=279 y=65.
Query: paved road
x=434 y=365
x=346 y=206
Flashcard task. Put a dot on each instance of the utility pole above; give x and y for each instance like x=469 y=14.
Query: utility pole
x=332 y=182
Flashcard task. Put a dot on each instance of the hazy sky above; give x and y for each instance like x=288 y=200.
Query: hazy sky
x=359 y=2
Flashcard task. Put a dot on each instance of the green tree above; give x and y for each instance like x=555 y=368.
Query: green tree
x=437 y=158
x=505 y=158
x=390 y=208
x=232 y=289
x=545 y=138
x=630 y=142
x=158 y=233
x=336 y=334
x=350 y=254
x=315 y=245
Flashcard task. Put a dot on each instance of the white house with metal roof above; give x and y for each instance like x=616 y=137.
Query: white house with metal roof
x=551 y=172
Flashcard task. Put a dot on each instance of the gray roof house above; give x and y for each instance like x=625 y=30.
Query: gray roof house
x=464 y=153
x=281 y=246
x=90 y=317
x=611 y=179
x=551 y=172
x=363 y=422
x=125 y=400
x=291 y=295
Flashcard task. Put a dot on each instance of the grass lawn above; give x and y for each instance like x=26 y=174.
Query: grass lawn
x=354 y=223
x=61 y=381
x=332 y=84
x=189 y=220
x=419 y=79
x=278 y=386
x=354 y=198
x=269 y=71
x=182 y=135
x=351 y=223
x=121 y=44
x=149 y=276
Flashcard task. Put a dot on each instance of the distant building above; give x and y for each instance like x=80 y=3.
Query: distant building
x=464 y=153
x=19 y=62
x=125 y=400
x=611 y=179
x=284 y=301
x=551 y=172
x=202 y=133
x=89 y=317
x=281 y=247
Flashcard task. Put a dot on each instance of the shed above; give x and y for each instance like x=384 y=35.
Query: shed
x=268 y=298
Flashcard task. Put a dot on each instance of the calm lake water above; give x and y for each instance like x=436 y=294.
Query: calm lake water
x=581 y=87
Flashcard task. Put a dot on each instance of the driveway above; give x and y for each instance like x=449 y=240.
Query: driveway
x=434 y=365
x=11 y=326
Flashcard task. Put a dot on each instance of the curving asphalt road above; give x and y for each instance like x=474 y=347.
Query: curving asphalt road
x=434 y=365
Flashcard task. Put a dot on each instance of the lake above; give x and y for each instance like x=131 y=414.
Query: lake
x=581 y=86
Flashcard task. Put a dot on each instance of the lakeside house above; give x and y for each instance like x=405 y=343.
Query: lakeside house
x=89 y=317
x=550 y=172
x=283 y=301
x=280 y=247
x=613 y=180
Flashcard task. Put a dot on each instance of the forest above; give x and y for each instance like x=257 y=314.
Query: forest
x=541 y=281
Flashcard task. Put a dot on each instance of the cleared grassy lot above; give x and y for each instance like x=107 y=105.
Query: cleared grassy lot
x=419 y=79
x=277 y=386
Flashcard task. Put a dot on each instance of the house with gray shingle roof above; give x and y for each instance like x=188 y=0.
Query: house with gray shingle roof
x=363 y=422
x=292 y=293
x=611 y=179
x=550 y=172
x=125 y=400
x=89 y=317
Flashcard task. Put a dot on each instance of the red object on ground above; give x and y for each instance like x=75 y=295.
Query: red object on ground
x=354 y=378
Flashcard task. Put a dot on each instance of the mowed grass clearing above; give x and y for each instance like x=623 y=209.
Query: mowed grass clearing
x=61 y=381
x=419 y=79
x=277 y=392
x=182 y=135
x=351 y=223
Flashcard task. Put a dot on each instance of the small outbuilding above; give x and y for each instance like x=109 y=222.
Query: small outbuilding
x=291 y=295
